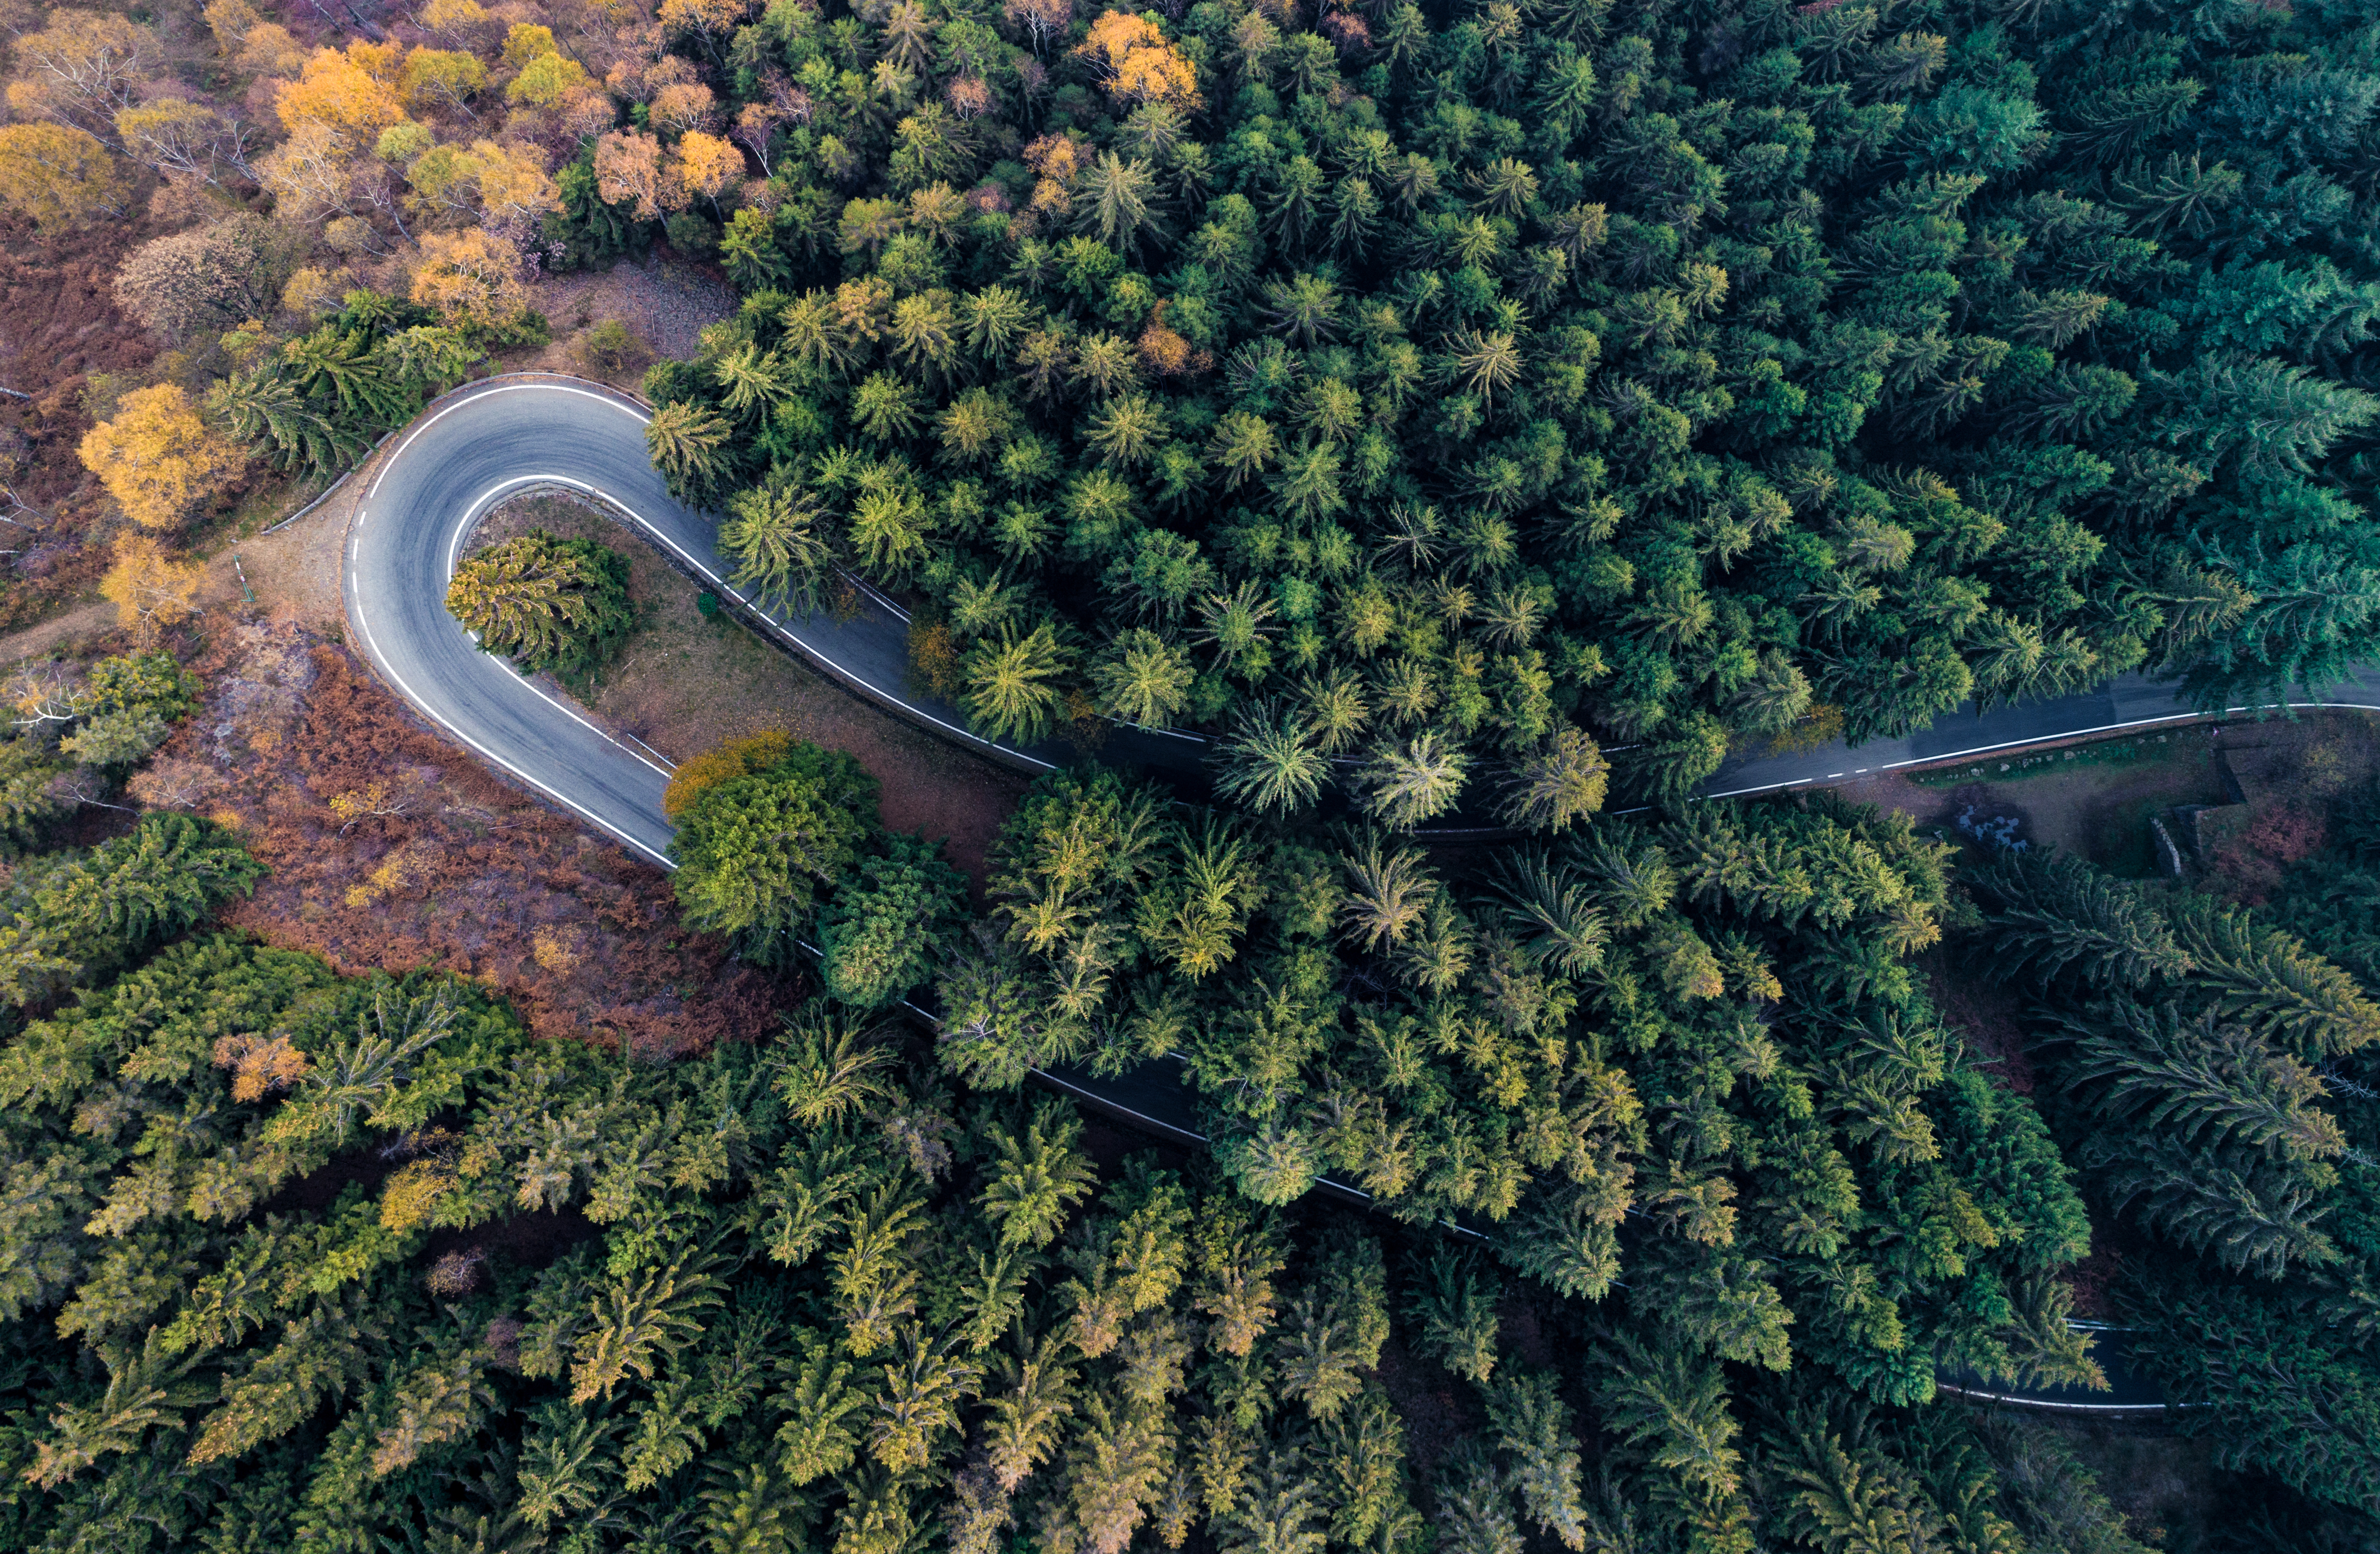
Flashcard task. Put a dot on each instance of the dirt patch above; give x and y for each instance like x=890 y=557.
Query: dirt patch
x=1986 y=1012
x=664 y=301
x=293 y=574
x=2095 y=800
x=686 y=681
x=58 y=326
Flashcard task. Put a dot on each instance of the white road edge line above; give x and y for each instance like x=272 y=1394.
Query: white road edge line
x=646 y=524
x=355 y=607
x=410 y=694
x=470 y=516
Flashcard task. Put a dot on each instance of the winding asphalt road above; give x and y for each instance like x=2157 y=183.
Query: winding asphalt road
x=498 y=438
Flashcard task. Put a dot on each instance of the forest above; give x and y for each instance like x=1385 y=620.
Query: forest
x=1500 y=410
x=1685 y=1196
x=1394 y=394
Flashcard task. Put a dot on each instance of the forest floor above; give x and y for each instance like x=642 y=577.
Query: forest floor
x=388 y=848
x=664 y=301
x=686 y=681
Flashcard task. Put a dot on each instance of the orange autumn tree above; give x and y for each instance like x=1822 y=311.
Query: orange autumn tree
x=1137 y=65
x=628 y=167
x=157 y=458
x=737 y=758
x=708 y=165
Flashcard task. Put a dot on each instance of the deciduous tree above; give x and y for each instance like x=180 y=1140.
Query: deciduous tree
x=157 y=458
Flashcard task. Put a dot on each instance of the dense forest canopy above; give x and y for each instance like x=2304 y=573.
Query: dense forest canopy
x=301 y=1261
x=1414 y=384
x=1421 y=400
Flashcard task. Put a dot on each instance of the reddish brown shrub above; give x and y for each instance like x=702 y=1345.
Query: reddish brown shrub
x=468 y=875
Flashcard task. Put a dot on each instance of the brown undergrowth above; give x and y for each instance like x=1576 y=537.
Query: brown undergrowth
x=388 y=850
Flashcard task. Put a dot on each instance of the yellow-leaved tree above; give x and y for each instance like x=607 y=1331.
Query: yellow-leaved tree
x=709 y=165
x=470 y=277
x=149 y=589
x=157 y=458
x=80 y=68
x=57 y=174
x=353 y=93
x=1137 y=64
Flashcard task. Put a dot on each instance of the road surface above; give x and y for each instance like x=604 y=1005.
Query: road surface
x=497 y=438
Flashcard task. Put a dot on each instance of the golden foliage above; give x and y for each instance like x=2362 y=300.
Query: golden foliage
x=704 y=19
x=737 y=758
x=1165 y=351
x=470 y=277
x=260 y=1064
x=1056 y=157
x=308 y=173
x=314 y=292
x=556 y=951
x=548 y=81
x=709 y=165
x=407 y=868
x=527 y=41
x=149 y=589
x=79 y=68
x=1139 y=64
x=683 y=105
x=512 y=180
x=412 y=1193
x=56 y=173
x=433 y=76
x=231 y=21
x=270 y=50
x=157 y=458
x=464 y=22
x=375 y=799
x=171 y=134
x=346 y=92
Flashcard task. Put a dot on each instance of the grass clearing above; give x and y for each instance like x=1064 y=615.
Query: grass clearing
x=2188 y=742
x=690 y=679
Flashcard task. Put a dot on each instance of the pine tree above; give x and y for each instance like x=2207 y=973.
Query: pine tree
x=688 y=446
x=1120 y=1458
x=824 y=1413
x=545 y=601
x=2249 y=1214
x=2203 y=1082
x=1452 y=1308
x=2057 y=911
x=641 y=1322
x=1278 y=1510
x=1027 y=1406
x=1532 y=1430
x=1035 y=1179
x=1475 y=1507
x=267 y=413
x=1009 y=694
x=925 y=1385
x=1360 y=1457
x=1674 y=1406
x=782 y=553
x=1270 y=761
x=2270 y=981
